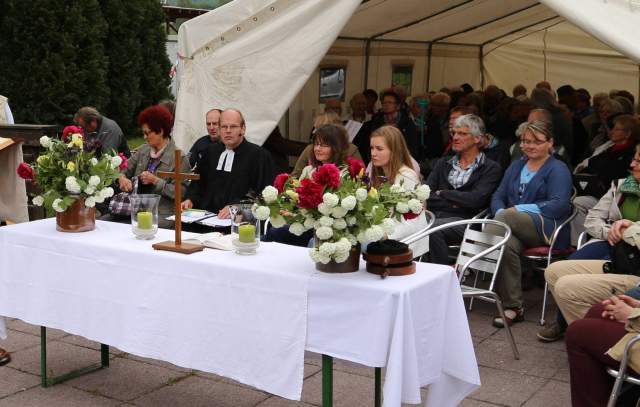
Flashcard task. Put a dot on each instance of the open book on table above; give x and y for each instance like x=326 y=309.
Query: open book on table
x=213 y=240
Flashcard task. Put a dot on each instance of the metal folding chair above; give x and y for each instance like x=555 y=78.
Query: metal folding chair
x=621 y=374
x=480 y=251
x=541 y=257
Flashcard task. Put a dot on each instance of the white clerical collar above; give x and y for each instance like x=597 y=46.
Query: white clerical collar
x=226 y=159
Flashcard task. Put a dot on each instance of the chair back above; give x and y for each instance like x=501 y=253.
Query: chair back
x=414 y=237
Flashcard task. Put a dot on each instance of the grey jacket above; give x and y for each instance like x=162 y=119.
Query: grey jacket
x=600 y=217
x=165 y=187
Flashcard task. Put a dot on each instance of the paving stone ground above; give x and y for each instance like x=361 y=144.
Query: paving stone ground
x=539 y=378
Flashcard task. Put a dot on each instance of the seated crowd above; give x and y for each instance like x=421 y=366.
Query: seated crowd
x=527 y=161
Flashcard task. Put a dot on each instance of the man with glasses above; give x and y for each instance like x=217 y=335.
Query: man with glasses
x=230 y=170
x=461 y=185
x=98 y=128
x=213 y=136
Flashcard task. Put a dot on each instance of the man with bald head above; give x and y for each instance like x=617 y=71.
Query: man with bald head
x=230 y=170
x=201 y=145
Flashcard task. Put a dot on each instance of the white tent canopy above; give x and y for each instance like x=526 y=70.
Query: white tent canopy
x=475 y=41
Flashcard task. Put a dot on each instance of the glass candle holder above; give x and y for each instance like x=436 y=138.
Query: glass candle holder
x=144 y=215
x=242 y=219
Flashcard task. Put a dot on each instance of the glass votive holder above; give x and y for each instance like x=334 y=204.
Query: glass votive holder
x=144 y=215
x=247 y=240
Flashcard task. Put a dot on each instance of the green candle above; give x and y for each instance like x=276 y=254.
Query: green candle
x=145 y=220
x=247 y=233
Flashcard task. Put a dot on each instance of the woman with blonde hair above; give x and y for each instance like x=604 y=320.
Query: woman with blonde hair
x=391 y=163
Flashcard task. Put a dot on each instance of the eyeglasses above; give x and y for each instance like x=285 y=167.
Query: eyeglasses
x=532 y=142
x=461 y=133
x=321 y=145
x=227 y=127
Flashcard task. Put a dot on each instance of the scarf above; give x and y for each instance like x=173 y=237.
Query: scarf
x=630 y=186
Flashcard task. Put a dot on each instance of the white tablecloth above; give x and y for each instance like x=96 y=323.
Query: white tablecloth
x=241 y=317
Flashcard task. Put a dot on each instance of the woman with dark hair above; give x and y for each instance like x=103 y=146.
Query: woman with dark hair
x=157 y=154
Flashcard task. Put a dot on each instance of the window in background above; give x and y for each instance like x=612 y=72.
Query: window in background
x=401 y=75
x=332 y=83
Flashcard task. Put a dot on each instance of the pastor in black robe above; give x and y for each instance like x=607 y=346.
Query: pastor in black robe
x=252 y=170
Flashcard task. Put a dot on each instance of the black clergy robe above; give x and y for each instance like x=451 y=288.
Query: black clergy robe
x=252 y=170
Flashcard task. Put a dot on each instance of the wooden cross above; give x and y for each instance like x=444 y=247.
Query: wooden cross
x=178 y=177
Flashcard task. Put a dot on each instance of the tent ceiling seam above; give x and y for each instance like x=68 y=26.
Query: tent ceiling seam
x=526 y=35
x=521 y=29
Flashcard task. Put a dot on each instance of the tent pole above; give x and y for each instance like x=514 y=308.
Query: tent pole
x=367 y=54
x=429 y=54
x=481 y=49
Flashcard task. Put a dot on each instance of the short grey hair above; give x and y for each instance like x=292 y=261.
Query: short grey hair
x=472 y=122
x=88 y=114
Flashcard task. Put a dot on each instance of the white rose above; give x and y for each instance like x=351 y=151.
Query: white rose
x=89 y=190
x=94 y=180
x=90 y=202
x=94 y=161
x=262 y=213
x=415 y=205
x=106 y=192
x=351 y=220
x=56 y=205
x=349 y=202
x=396 y=189
x=72 y=185
x=309 y=222
x=361 y=194
x=402 y=207
x=278 y=221
x=388 y=225
x=38 y=200
x=324 y=209
x=338 y=212
x=324 y=259
x=327 y=249
x=374 y=233
x=325 y=221
x=269 y=194
x=45 y=141
x=116 y=161
x=297 y=229
x=315 y=255
x=330 y=199
x=324 y=232
x=339 y=224
x=422 y=192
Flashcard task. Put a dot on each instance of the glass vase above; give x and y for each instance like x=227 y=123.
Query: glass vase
x=144 y=215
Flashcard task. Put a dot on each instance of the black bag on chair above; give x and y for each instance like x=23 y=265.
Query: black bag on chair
x=625 y=259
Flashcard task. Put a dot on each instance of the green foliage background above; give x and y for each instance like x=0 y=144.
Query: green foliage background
x=56 y=56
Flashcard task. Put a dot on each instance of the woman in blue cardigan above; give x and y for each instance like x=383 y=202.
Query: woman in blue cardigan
x=533 y=199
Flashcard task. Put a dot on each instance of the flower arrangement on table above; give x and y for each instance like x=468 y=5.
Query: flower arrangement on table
x=340 y=206
x=71 y=169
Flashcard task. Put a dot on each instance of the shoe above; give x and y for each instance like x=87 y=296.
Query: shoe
x=550 y=333
x=513 y=315
x=5 y=357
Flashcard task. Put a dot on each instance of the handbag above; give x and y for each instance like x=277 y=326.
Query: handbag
x=120 y=204
x=625 y=259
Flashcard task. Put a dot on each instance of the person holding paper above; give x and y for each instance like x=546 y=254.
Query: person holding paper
x=229 y=170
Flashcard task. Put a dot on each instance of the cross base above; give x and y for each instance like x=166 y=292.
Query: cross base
x=184 y=248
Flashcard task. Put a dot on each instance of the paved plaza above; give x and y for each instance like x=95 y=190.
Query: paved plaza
x=539 y=378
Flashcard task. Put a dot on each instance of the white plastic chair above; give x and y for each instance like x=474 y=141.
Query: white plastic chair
x=480 y=251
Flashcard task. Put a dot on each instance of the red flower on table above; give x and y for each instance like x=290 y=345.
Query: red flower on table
x=125 y=162
x=70 y=130
x=327 y=175
x=25 y=171
x=410 y=215
x=355 y=166
x=309 y=194
x=279 y=182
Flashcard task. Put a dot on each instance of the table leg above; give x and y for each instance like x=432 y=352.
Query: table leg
x=378 y=388
x=46 y=381
x=327 y=381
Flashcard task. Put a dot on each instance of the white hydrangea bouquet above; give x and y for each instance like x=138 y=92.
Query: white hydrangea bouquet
x=340 y=206
x=71 y=169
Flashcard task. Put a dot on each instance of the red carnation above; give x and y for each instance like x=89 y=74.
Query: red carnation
x=327 y=175
x=309 y=194
x=125 y=162
x=410 y=215
x=355 y=166
x=25 y=171
x=280 y=180
x=70 y=130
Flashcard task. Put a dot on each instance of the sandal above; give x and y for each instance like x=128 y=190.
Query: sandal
x=5 y=357
x=513 y=315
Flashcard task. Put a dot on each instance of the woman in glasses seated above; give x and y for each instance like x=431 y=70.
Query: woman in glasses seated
x=533 y=199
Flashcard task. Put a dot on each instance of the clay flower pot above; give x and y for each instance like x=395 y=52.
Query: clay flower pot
x=77 y=218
